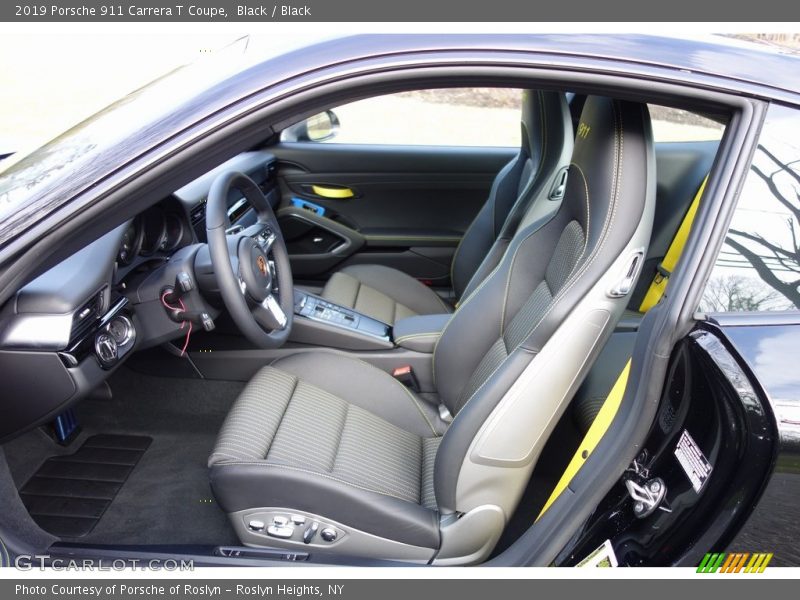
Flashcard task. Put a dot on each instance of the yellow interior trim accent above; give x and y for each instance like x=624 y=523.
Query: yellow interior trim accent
x=656 y=290
x=610 y=407
x=331 y=192
x=593 y=436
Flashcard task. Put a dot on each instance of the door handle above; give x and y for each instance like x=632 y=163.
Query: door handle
x=333 y=193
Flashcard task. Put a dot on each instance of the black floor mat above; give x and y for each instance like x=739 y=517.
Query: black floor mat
x=69 y=493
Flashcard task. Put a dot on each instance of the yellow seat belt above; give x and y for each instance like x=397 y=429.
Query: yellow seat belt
x=667 y=265
x=611 y=404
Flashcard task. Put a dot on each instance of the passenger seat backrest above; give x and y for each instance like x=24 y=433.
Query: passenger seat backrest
x=553 y=266
x=545 y=149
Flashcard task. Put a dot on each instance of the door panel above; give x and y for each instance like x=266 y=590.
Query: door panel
x=769 y=343
x=712 y=449
x=410 y=204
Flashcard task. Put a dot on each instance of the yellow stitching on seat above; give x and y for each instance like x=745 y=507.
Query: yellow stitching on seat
x=323 y=475
x=485 y=282
x=350 y=357
x=610 y=216
x=417 y=335
x=480 y=387
x=403 y=238
x=393 y=380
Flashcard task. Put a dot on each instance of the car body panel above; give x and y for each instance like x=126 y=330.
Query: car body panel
x=771 y=349
x=712 y=404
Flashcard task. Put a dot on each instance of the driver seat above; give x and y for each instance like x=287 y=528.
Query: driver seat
x=323 y=451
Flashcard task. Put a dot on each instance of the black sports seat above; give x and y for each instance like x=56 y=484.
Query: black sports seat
x=325 y=452
x=681 y=168
x=390 y=295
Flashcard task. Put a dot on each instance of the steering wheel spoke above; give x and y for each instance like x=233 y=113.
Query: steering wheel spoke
x=269 y=314
x=252 y=270
x=266 y=239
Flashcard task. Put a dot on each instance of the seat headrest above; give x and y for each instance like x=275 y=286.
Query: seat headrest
x=610 y=163
x=543 y=117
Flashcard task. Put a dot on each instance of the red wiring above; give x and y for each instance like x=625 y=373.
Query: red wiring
x=183 y=323
x=186 y=343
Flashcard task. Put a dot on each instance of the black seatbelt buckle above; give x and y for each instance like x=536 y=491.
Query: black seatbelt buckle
x=661 y=273
x=405 y=375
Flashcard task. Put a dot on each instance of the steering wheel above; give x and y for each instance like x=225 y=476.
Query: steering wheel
x=251 y=266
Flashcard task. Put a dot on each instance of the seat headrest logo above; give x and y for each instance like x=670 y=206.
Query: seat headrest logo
x=583 y=130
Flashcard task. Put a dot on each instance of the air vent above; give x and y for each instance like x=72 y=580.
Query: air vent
x=87 y=315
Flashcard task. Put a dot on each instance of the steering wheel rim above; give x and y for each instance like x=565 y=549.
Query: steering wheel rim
x=242 y=266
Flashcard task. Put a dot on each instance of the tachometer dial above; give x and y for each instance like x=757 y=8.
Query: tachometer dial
x=177 y=232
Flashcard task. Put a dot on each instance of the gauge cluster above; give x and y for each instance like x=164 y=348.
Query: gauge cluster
x=160 y=230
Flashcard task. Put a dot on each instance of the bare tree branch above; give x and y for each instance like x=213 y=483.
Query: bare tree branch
x=781 y=164
x=790 y=291
x=768 y=245
x=773 y=188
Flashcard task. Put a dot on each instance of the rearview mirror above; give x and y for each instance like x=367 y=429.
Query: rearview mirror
x=319 y=128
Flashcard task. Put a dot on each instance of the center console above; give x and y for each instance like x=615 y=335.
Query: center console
x=325 y=323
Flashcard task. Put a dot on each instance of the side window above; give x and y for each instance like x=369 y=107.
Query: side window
x=758 y=268
x=433 y=117
x=676 y=125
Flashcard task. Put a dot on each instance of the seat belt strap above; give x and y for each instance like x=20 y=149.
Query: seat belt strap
x=598 y=428
x=611 y=404
x=665 y=268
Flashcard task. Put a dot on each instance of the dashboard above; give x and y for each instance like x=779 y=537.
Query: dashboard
x=161 y=229
x=153 y=236
x=67 y=330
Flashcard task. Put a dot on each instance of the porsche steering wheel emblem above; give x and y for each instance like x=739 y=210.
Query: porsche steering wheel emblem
x=261 y=263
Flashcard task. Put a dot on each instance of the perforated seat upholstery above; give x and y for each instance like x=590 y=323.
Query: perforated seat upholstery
x=340 y=440
x=343 y=424
x=390 y=295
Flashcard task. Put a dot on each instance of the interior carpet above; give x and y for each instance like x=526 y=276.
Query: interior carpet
x=69 y=493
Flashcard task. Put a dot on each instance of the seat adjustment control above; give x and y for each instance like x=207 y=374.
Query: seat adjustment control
x=256 y=525
x=278 y=531
x=280 y=521
x=310 y=532
x=328 y=534
x=298 y=519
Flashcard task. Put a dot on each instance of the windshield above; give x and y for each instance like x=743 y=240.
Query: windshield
x=26 y=180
